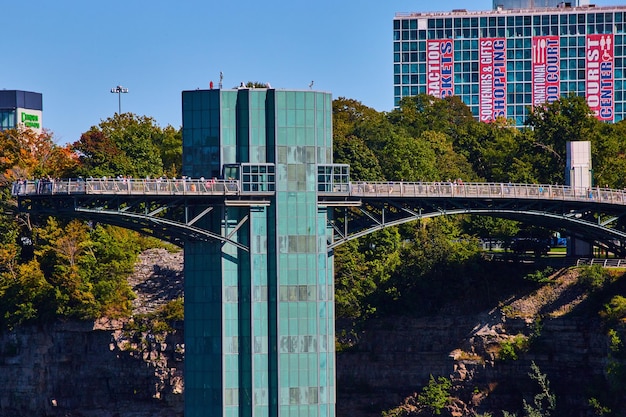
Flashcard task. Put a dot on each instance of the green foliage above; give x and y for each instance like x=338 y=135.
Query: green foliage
x=541 y=276
x=615 y=310
x=593 y=277
x=160 y=320
x=363 y=163
x=174 y=310
x=436 y=395
x=363 y=269
x=395 y=412
x=553 y=125
x=511 y=348
x=598 y=408
x=434 y=263
x=77 y=272
x=491 y=227
x=545 y=401
x=25 y=296
x=130 y=145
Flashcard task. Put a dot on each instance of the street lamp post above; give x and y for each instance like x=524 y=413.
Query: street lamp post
x=119 y=90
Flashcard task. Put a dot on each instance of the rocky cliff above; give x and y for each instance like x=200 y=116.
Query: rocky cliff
x=98 y=369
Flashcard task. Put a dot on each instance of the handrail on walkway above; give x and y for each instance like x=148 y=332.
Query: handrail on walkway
x=604 y=263
x=387 y=189
x=486 y=190
x=158 y=186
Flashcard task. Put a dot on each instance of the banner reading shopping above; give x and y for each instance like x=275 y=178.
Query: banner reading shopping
x=492 y=73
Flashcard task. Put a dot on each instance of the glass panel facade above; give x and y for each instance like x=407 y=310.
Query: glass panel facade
x=7 y=119
x=460 y=54
x=333 y=178
x=270 y=310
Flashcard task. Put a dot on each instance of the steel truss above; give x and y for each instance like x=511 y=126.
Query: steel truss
x=172 y=218
x=593 y=222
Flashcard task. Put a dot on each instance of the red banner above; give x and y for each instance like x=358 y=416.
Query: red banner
x=492 y=73
x=440 y=67
x=546 y=69
x=600 y=77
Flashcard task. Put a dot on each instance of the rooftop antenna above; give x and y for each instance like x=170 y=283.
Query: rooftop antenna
x=311 y=85
x=221 y=79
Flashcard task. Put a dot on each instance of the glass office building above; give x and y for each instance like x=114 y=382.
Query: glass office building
x=20 y=109
x=502 y=61
x=259 y=323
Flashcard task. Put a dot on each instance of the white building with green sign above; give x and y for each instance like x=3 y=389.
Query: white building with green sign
x=21 y=109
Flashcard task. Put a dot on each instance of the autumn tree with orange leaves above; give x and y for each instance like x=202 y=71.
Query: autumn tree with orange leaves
x=25 y=153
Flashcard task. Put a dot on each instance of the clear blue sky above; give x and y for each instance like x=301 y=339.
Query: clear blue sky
x=75 y=51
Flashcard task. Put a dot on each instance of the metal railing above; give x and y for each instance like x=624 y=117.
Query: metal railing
x=487 y=190
x=359 y=189
x=107 y=186
x=604 y=263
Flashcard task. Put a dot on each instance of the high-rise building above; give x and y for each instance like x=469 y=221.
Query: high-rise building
x=259 y=324
x=20 y=109
x=500 y=62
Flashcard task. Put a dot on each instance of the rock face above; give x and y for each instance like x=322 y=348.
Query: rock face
x=96 y=369
x=395 y=358
x=74 y=369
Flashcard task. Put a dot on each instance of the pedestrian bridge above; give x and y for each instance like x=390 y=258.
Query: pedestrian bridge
x=169 y=208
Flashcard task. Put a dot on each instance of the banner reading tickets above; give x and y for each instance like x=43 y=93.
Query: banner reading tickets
x=440 y=67
x=599 y=73
x=492 y=73
x=546 y=69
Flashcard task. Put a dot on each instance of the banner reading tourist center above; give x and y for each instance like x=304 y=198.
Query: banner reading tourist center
x=599 y=74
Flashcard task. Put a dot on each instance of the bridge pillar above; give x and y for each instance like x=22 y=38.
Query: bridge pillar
x=259 y=324
x=579 y=176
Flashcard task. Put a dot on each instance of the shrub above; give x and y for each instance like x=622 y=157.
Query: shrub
x=593 y=277
x=540 y=276
x=615 y=310
x=510 y=349
x=436 y=395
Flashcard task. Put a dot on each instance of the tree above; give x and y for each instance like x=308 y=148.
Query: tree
x=409 y=159
x=436 y=395
x=491 y=227
x=25 y=153
x=126 y=143
x=364 y=165
x=170 y=145
x=609 y=155
x=434 y=262
x=566 y=119
x=348 y=114
x=448 y=163
x=100 y=156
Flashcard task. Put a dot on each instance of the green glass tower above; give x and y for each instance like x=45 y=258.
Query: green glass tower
x=259 y=323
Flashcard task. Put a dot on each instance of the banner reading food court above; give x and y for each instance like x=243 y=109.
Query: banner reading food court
x=440 y=67
x=546 y=69
x=492 y=73
x=599 y=75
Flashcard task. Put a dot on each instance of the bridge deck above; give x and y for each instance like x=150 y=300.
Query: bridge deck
x=394 y=189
